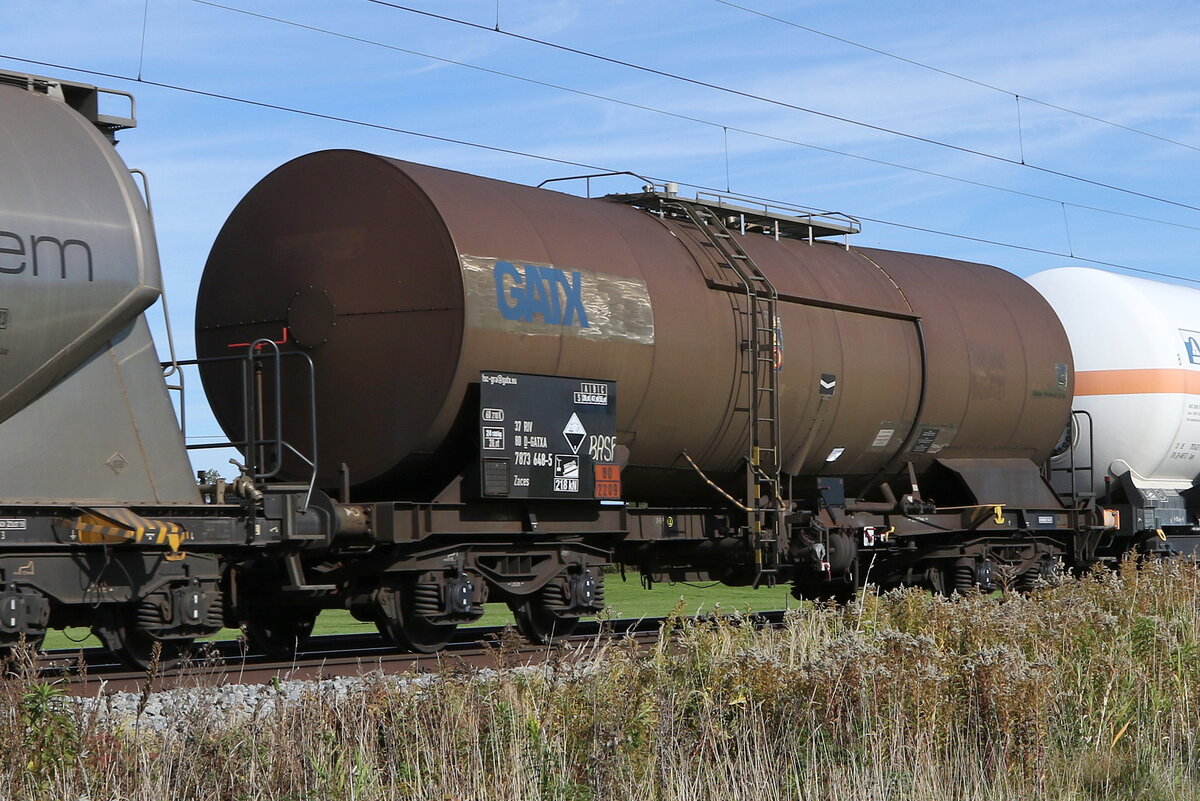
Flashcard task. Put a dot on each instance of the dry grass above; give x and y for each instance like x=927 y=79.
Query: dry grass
x=1087 y=690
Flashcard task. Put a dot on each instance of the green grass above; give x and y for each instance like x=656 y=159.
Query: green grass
x=625 y=599
x=629 y=599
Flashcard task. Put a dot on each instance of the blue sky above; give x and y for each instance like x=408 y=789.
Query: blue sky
x=1136 y=64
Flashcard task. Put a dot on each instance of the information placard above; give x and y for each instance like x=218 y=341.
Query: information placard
x=548 y=437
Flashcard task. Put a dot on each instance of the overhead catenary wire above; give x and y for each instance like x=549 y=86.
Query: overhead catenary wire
x=555 y=160
x=724 y=127
x=956 y=75
x=1020 y=131
x=784 y=104
x=303 y=112
x=1067 y=227
x=142 y=46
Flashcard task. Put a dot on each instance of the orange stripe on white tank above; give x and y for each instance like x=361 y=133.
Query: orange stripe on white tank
x=1175 y=381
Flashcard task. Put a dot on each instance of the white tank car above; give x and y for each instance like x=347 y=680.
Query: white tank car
x=1136 y=345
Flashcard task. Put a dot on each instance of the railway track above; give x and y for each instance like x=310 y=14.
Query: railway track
x=92 y=670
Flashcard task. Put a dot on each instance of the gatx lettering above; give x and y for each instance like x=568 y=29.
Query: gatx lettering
x=526 y=291
x=33 y=252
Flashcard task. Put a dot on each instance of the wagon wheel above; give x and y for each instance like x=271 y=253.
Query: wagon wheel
x=840 y=590
x=397 y=621
x=33 y=644
x=840 y=584
x=135 y=646
x=279 y=634
x=540 y=624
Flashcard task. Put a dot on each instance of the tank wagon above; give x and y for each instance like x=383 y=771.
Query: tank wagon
x=788 y=407
x=96 y=494
x=1134 y=442
x=449 y=390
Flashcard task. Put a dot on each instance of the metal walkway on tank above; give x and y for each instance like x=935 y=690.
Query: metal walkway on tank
x=775 y=220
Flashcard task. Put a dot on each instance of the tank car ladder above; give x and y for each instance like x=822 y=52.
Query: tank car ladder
x=763 y=461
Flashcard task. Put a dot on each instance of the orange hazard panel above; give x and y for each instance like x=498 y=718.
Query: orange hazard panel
x=608 y=481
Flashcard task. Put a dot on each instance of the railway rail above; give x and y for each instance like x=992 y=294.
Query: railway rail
x=89 y=671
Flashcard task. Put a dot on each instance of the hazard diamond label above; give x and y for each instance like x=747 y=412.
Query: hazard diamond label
x=574 y=432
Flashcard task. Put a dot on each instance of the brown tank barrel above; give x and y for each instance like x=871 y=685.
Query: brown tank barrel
x=404 y=281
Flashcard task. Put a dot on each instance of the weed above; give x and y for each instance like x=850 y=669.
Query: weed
x=1087 y=689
